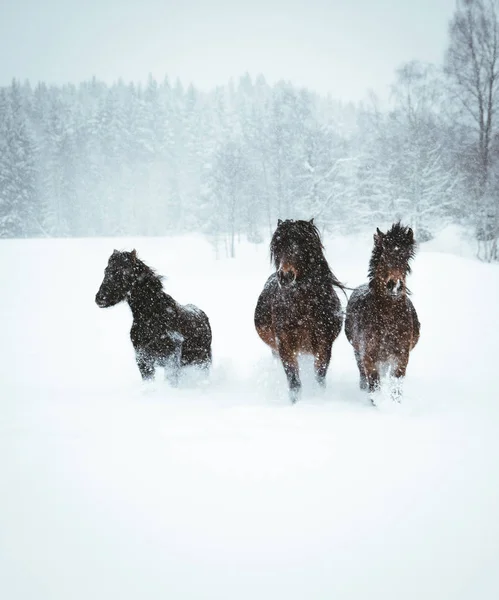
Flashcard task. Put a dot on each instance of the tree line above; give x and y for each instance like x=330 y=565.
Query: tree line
x=125 y=159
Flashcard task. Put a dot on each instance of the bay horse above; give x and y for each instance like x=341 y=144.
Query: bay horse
x=381 y=322
x=164 y=333
x=298 y=312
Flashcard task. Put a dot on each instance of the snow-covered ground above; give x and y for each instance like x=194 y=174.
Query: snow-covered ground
x=112 y=489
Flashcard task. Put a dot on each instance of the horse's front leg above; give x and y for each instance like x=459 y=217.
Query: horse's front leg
x=322 y=358
x=372 y=375
x=397 y=379
x=146 y=365
x=362 y=375
x=289 y=359
x=292 y=373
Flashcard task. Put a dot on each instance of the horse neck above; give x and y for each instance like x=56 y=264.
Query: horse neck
x=144 y=296
x=317 y=267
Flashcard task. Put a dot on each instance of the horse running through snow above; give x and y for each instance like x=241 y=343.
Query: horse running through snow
x=381 y=322
x=164 y=333
x=299 y=312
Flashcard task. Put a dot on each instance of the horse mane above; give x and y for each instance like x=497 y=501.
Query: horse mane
x=398 y=242
x=146 y=274
x=143 y=273
x=307 y=235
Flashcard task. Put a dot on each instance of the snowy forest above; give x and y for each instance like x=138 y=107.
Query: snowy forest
x=126 y=159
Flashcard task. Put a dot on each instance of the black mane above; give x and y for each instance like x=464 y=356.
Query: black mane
x=305 y=236
x=145 y=274
x=396 y=246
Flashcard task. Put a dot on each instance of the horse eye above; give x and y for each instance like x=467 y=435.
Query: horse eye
x=390 y=285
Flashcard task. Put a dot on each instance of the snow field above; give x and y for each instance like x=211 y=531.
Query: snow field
x=111 y=488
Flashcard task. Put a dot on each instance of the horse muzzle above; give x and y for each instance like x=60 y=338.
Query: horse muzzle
x=395 y=287
x=101 y=301
x=286 y=277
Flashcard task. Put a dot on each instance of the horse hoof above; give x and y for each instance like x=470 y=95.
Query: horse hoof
x=374 y=396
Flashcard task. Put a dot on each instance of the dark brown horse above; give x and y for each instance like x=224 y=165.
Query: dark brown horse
x=164 y=333
x=298 y=311
x=381 y=322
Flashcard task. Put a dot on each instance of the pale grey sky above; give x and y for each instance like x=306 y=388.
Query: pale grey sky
x=343 y=47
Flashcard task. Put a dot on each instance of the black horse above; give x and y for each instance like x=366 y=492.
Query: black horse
x=164 y=333
x=381 y=321
x=298 y=311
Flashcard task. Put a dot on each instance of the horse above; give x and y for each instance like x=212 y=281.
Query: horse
x=164 y=333
x=299 y=312
x=381 y=322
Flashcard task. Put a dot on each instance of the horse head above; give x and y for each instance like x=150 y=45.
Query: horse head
x=390 y=260
x=295 y=249
x=119 y=276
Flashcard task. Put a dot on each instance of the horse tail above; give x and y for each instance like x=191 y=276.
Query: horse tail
x=337 y=283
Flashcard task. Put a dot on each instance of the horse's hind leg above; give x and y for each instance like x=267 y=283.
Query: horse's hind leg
x=172 y=366
x=172 y=374
x=267 y=335
x=146 y=365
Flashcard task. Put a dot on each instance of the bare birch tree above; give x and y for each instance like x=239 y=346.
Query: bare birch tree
x=472 y=65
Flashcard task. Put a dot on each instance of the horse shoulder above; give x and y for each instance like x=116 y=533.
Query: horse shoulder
x=354 y=309
x=271 y=282
x=263 y=309
x=416 y=325
x=169 y=306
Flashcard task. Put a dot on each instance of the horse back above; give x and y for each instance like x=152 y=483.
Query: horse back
x=195 y=328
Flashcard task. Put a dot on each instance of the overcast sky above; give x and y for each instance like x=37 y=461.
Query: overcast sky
x=340 y=46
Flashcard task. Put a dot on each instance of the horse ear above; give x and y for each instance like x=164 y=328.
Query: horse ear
x=279 y=222
x=410 y=234
x=133 y=255
x=311 y=221
x=378 y=236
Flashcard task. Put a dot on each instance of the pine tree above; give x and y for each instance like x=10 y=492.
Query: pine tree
x=18 y=169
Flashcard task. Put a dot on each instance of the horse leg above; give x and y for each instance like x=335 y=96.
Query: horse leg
x=172 y=366
x=267 y=335
x=289 y=361
x=397 y=381
x=294 y=383
x=321 y=364
x=372 y=374
x=146 y=365
x=363 y=378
